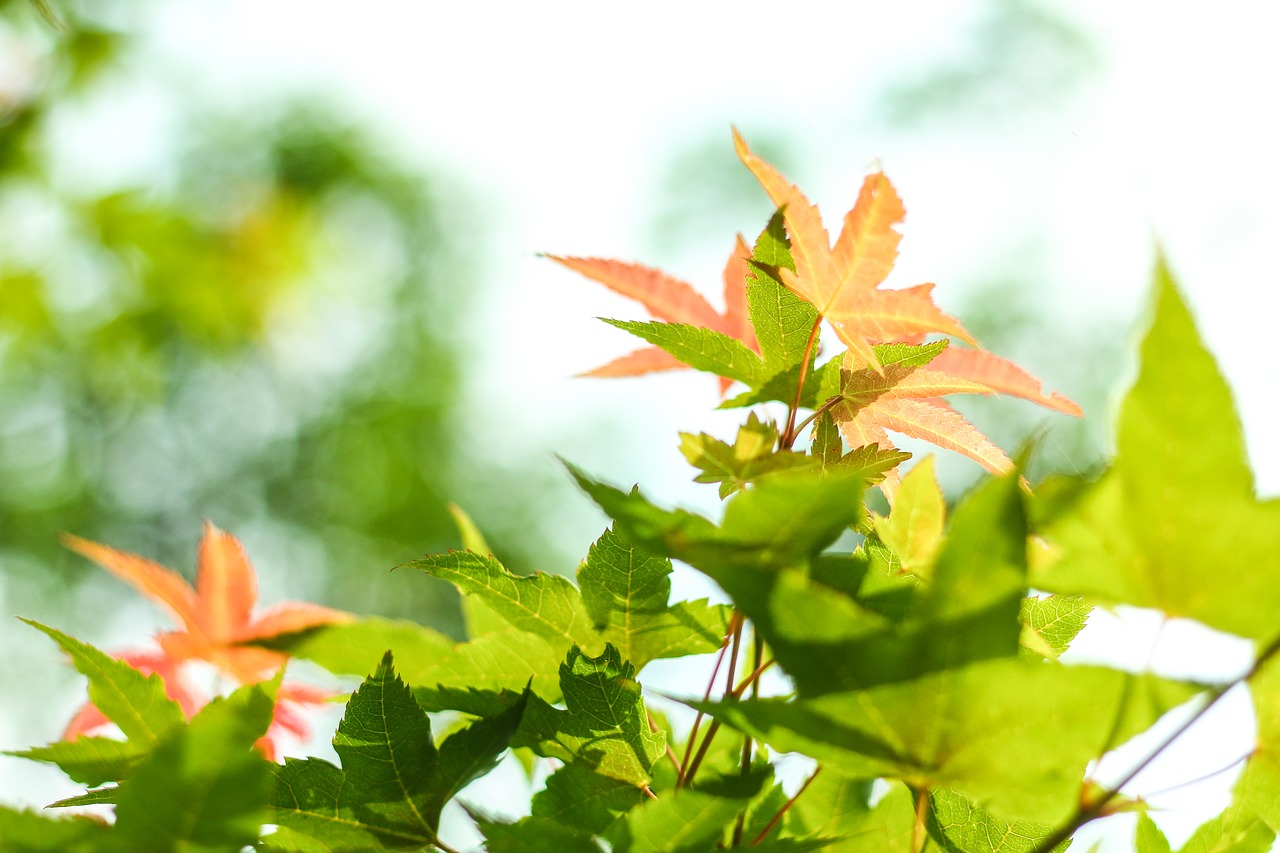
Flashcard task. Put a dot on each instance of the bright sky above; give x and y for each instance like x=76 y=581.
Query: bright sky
x=561 y=114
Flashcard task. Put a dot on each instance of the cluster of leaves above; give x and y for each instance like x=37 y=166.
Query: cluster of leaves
x=923 y=666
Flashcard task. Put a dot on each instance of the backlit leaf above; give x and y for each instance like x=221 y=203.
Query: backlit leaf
x=604 y=726
x=1174 y=525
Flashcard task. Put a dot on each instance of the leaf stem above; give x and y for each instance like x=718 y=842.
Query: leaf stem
x=671 y=753
x=685 y=773
x=918 y=836
x=788 y=436
x=764 y=833
x=816 y=413
x=1090 y=810
x=757 y=651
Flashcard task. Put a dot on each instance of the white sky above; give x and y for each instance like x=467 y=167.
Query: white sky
x=560 y=114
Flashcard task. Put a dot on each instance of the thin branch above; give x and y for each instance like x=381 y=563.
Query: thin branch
x=751 y=679
x=757 y=650
x=735 y=623
x=817 y=413
x=788 y=436
x=702 y=750
x=1205 y=778
x=764 y=833
x=918 y=836
x=671 y=753
x=1088 y=811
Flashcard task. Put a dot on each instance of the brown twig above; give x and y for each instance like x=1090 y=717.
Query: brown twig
x=764 y=833
x=1088 y=811
x=735 y=624
x=788 y=436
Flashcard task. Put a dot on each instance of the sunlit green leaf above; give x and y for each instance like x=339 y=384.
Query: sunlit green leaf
x=701 y=349
x=135 y=702
x=393 y=781
x=626 y=592
x=205 y=787
x=980 y=730
x=604 y=726
x=1174 y=524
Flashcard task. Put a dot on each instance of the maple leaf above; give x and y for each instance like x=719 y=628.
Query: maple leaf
x=217 y=614
x=674 y=301
x=843 y=282
x=904 y=397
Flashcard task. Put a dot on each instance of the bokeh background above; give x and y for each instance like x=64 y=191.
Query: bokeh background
x=276 y=265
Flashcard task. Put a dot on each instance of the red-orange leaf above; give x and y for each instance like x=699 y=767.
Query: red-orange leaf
x=216 y=616
x=844 y=283
x=1001 y=376
x=907 y=400
x=673 y=301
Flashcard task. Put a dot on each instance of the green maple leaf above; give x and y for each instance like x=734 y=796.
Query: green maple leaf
x=135 y=702
x=959 y=826
x=604 y=726
x=1174 y=524
x=393 y=781
x=205 y=787
x=1012 y=734
x=1051 y=622
x=626 y=592
x=690 y=820
x=913 y=529
x=91 y=760
x=544 y=604
x=29 y=832
x=700 y=348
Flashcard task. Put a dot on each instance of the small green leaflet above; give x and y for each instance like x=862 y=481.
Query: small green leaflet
x=782 y=320
x=393 y=781
x=1051 y=622
x=604 y=727
x=751 y=456
x=785 y=519
x=913 y=530
x=91 y=760
x=576 y=805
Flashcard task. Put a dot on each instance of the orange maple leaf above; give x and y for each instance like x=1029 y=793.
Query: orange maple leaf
x=674 y=301
x=906 y=399
x=217 y=615
x=843 y=282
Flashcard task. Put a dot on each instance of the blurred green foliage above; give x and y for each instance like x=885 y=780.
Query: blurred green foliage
x=262 y=333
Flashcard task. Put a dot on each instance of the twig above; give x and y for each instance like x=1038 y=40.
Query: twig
x=764 y=833
x=684 y=771
x=918 y=836
x=788 y=436
x=671 y=753
x=1088 y=811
